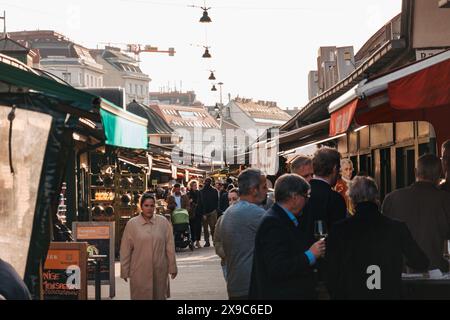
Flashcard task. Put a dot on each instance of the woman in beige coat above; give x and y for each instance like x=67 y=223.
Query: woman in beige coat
x=147 y=253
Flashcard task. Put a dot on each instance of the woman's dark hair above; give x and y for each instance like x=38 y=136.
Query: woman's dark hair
x=230 y=187
x=146 y=196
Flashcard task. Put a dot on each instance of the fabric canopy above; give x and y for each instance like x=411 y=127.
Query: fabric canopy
x=428 y=88
x=418 y=92
x=27 y=78
x=123 y=129
x=342 y=118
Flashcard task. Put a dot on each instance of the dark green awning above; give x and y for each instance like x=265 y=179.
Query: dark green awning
x=15 y=73
x=122 y=128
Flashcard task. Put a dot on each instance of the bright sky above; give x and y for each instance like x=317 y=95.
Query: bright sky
x=261 y=49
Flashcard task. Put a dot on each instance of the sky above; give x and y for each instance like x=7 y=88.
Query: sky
x=261 y=49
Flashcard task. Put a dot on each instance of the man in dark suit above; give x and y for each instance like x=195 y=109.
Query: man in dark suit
x=282 y=262
x=425 y=209
x=364 y=252
x=325 y=203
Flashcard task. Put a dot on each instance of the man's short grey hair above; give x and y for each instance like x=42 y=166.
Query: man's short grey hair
x=429 y=167
x=290 y=185
x=363 y=189
x=300 y=162
x=248 y=179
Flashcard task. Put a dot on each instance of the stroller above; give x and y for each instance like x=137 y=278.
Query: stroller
x=181 y=229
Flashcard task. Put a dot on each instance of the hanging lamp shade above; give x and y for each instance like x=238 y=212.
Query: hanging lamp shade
x=214 y=88
x=206 y=54
x=205 y=18
x=212 y=77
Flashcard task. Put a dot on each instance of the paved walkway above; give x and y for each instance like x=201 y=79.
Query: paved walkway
x=199 y=277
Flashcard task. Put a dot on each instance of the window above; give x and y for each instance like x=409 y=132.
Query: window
x=166 y=140
x=67 y=76
x=130 y=89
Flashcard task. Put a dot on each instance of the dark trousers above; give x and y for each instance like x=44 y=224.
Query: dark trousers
x=196 y=227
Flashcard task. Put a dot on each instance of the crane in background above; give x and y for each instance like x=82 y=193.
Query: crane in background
x=137 y=49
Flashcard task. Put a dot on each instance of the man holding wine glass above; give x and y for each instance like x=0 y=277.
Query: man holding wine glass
x=283 y=259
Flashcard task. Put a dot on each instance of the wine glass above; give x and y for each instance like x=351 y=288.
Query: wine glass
x=320 y=230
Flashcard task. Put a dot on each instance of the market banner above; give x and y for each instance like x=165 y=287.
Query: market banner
x=64 y=274
x=19 y=180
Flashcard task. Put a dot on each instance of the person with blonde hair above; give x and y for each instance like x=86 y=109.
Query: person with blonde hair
x=344 y=183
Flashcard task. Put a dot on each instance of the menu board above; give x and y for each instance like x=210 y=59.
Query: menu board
x=65 y=271
x=100 y=239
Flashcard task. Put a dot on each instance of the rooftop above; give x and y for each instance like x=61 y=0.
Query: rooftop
x=262 y=110
x=186 y=117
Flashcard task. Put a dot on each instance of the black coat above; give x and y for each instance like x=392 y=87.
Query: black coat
x=325 y=204
x=12 y=286
x=281 y=270
x=208 y=200
x=223 y=202
x=364 y=240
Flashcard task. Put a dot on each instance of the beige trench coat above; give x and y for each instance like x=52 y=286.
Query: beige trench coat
x=147 y=257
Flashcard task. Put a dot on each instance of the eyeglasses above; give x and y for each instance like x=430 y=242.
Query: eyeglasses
x=307 y=196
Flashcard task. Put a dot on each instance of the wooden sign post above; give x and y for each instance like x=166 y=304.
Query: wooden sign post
x=65 y=271
x=100 y=238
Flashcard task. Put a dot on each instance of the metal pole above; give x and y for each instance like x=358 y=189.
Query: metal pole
x=4 y=23
x=220 y=84
x=98 y=287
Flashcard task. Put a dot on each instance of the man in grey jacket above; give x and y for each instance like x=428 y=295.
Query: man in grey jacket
x=239 y=226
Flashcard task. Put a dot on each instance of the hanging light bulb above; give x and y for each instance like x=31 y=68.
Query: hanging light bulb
x=214 y=88
x=205 y=18
x=212 y=77
x=206 y=54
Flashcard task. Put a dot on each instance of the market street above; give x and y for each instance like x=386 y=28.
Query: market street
x=199 y=277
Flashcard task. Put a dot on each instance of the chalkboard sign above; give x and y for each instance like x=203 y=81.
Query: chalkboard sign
x=65 y=271
x=100 y=238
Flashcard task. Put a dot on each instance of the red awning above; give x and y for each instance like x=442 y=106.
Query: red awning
x=428 y=88
x=418 y=92
x=342 y=118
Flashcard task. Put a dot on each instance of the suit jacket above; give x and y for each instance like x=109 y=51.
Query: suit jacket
x=280 y=270
x=426 y=211
x=325 y=204
x=370 y=239
x=172 y=204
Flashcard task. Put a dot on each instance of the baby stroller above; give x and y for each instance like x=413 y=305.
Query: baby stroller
x=181 y=229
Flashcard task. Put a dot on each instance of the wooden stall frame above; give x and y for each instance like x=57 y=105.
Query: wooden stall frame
x=111 y=225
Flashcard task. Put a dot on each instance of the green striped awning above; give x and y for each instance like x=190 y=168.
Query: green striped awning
x=122 y=128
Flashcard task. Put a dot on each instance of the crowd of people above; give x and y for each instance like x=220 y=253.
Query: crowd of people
x=321 y=235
